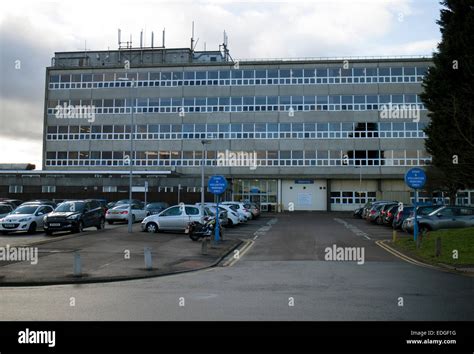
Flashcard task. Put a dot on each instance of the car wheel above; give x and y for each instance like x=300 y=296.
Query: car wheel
x=32 y=228
x=110 y=222
x=80 y=227
x=101 y=226
x=378 y=221
x=151 y=227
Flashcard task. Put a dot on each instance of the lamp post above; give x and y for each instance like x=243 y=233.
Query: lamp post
x=204 y=143
x=130 y=217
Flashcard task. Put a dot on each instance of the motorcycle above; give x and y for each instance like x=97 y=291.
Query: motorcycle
x=196 y=230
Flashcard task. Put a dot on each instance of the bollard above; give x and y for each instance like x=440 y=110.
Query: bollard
x=148 y=260
x=77 y=265
x=394 y=235
x=204 y=244
x=438 y=247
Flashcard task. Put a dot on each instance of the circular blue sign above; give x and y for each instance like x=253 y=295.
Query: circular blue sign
x=415 y=178
x=217 y=184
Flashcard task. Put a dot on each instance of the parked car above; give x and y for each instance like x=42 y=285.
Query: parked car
x=223 y=218
x=43 y=201
x=127 y=201
x=446 y=217
x=13 y=202
x=401 y=216
x=5 y=209
x=358 y=212
x=27 y=217
x=369 y=205
x=174 y=218
x=120 y=213
x=420 y=211
x=241 y=209
x=253 y=208
x=232 y=215
x=383 y=212
x=156 y=208
x=375 y=212
x=390 y=214
x=75 y=216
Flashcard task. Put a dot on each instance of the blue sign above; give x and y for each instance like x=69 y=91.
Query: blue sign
x=217 y=184
x=415 y=178
x=304 y=181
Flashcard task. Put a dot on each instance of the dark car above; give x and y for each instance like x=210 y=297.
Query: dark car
x=401 y=216
x=358 y=212
x=43 y=201
x=156 y=208
x=74 y=216
x=384 y=211
x=13 y=202
x=390 y=214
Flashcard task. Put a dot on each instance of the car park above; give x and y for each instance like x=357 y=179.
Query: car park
x=420 y=211
x=155 y=208
x=74 y=216
x=446 y=217
x=384 y=211
x=5 y=209
x=119 y=213
x=27 y=217
x=174 y=218
x=369 y=205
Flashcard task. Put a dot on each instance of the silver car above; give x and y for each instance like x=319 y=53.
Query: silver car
x=175 y=218
x=447 y=217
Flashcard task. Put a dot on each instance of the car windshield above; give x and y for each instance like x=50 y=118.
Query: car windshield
x=428 y=210
x=154 y=205
x=70 y=206
x=122 y=206
x=27 y=209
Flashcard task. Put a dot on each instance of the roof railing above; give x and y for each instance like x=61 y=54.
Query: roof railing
x=349 y=58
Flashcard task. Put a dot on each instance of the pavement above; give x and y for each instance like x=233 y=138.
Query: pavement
x=107 y=255
x=279 y=273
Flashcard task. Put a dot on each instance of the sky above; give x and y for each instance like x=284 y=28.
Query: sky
x=31 y=31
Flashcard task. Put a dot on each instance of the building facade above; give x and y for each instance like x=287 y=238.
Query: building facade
x=290 y=134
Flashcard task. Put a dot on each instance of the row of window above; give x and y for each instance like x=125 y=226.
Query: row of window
x=351 y=197
x=333 y=130
x=239 y=77
x=241 y=159
x=407 y=102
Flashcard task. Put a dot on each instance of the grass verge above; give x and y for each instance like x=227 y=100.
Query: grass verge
x=460 y=240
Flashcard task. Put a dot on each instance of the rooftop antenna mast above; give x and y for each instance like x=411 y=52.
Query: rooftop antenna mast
x=224 y=47
x=193 y=44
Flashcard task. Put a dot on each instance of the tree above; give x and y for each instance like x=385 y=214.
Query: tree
x=449 y=97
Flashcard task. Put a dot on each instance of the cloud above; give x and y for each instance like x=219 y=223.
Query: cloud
x=31 y=31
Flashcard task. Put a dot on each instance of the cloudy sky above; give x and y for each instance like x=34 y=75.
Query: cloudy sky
x=31 y=31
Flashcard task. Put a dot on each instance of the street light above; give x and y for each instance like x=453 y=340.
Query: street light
x=204 y=143
x=130 y=217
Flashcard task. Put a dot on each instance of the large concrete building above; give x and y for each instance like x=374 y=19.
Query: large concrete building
x=299 y=134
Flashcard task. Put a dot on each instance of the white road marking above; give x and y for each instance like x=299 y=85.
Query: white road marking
x=353 y=228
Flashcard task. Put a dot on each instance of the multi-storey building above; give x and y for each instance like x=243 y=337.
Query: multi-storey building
x=308 y=134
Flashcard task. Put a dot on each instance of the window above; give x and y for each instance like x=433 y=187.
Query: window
x=109 y=189
x=192 y=211
x=15 y=189
x=48 y=189
x=174 y=211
